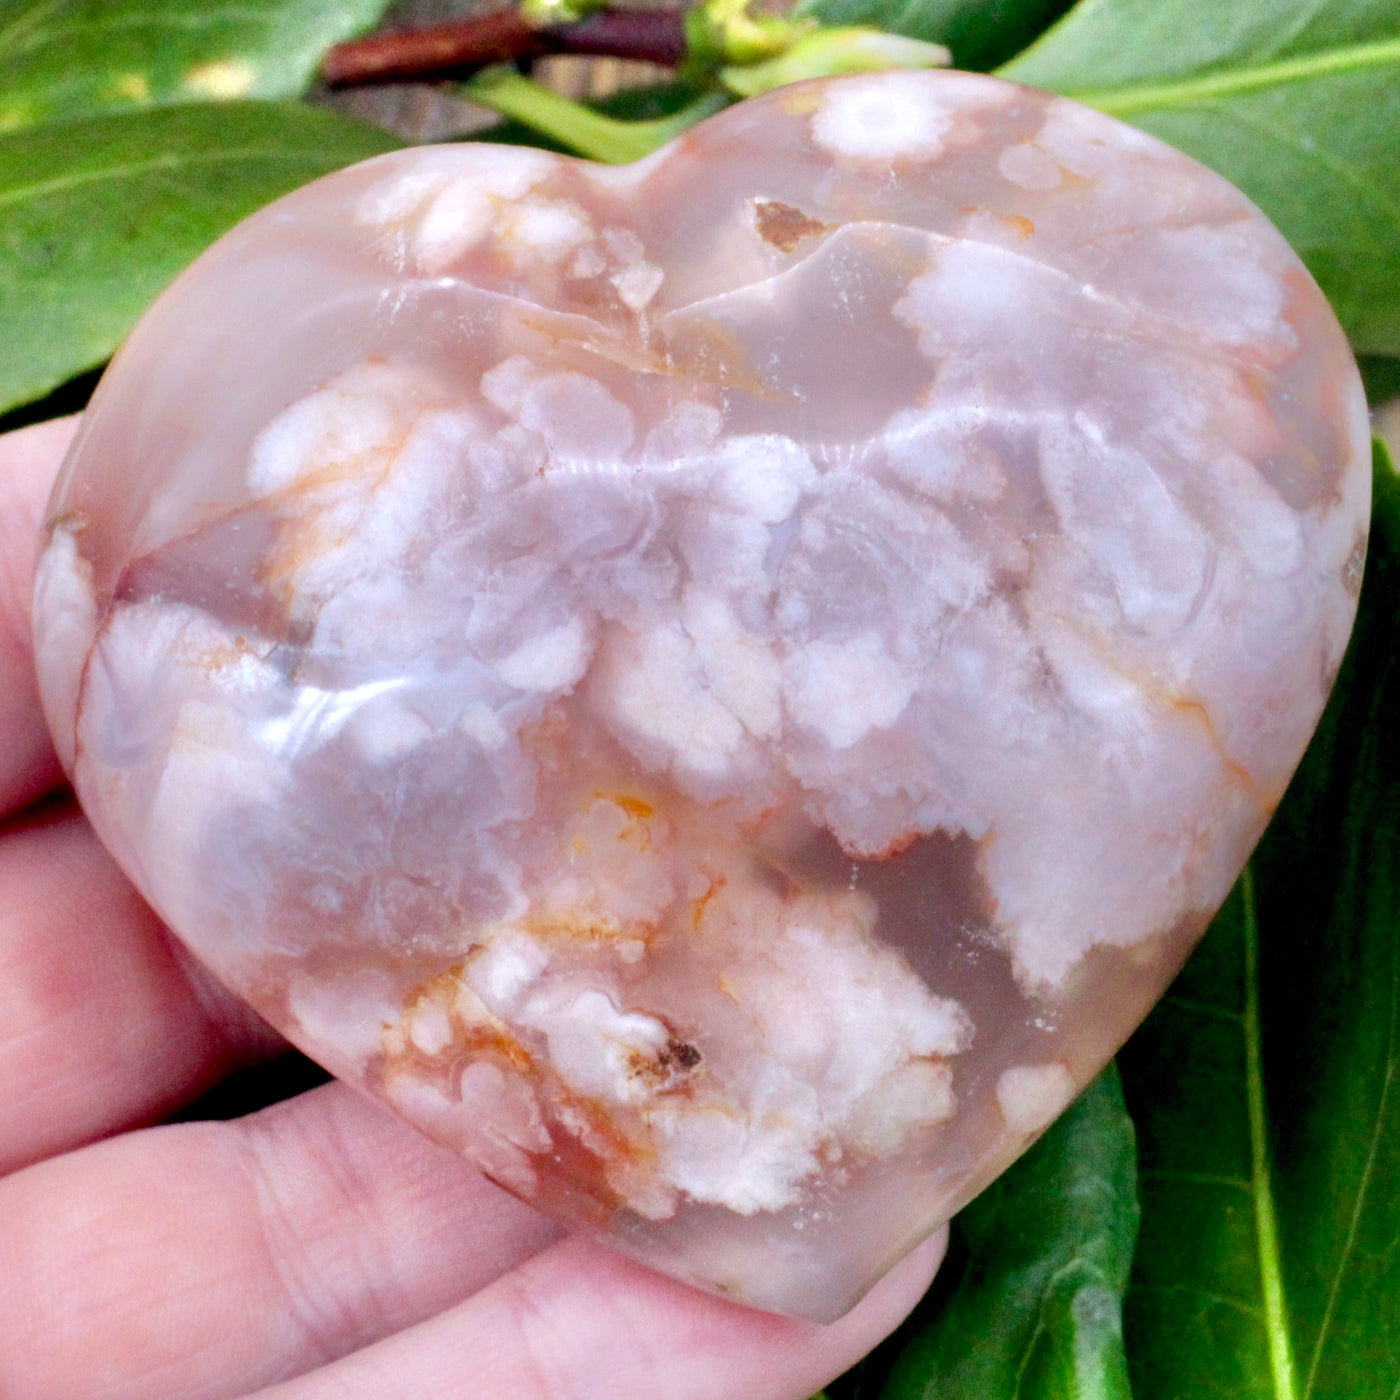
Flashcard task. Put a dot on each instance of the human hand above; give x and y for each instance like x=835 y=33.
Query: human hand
x=319 y=1248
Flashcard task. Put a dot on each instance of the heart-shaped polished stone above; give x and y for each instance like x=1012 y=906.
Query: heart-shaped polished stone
x=722 y=689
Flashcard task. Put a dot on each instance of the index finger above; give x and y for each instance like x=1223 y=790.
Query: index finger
x=29 y=460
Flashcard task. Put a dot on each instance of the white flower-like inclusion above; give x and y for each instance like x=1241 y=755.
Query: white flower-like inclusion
x=721 y=689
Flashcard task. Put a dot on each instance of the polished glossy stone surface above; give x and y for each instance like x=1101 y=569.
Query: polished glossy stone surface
x=724 y=688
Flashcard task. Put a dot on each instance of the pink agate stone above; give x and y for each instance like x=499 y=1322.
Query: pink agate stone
x=721 y=689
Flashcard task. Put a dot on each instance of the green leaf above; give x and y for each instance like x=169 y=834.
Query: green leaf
x=97 y=216
x=1381 y=377
x=1266 y=1086
x=64 y=59
x=981 y=33
x=1295 y=101
x=1028 y=1303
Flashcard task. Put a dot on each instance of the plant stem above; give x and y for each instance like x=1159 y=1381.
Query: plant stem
x=458 y=48
x=580 y=128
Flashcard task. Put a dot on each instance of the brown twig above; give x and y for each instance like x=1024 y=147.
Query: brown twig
x=651 y=36
x=439 y=51
x=460 y=47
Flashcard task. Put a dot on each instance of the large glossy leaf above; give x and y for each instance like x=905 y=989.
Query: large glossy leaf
x=1266 y=1086
x=1028 y=1304
x=1296 y=101
x=980 y=33
x=1381 y=376
x=96 y=217
x=61 y=59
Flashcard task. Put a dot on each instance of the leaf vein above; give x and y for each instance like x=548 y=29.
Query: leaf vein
x=1265 y=1222
x=1238 y=1305
x=1196 y=1178
x=171 y=161
x=1069 y=1267
x=1309 y=151
x=1127 y=100
x=1296 y=26
x=1363 y=1186
x=58 y=34
x=1204 y=1008
x=11 y=33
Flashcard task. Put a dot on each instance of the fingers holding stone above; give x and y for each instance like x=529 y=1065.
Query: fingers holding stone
x=29 y=461
x=104 y=1022
x=579 y=1320
x=211 y=1259
x=324 y=1240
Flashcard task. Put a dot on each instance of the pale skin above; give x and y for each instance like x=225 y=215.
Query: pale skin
x=317 y=1249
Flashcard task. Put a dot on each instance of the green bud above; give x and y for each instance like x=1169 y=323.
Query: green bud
x=540 y=13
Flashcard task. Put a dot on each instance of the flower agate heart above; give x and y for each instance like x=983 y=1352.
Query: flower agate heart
x=721 y=689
